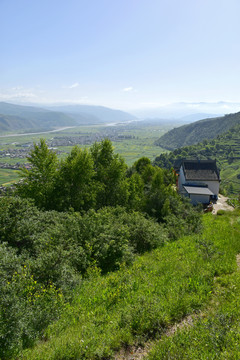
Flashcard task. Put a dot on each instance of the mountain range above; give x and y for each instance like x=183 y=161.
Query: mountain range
x=180 y=110
x=28 y=118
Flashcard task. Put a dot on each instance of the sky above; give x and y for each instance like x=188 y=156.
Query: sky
x=126 y=54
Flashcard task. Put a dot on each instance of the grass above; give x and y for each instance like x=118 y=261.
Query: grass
x=214 y=335
x=139 y=303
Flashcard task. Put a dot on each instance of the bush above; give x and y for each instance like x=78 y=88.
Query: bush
x=26 y=307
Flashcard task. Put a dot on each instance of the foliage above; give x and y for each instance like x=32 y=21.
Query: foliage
x=26 y=306
x=142 y=301
x=109 y=174
x=74 y=220
x=82 y=181
x=75 y=187
x=39 y=181
x=42 y=252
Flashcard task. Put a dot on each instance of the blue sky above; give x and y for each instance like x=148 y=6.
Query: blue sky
x=126 y=54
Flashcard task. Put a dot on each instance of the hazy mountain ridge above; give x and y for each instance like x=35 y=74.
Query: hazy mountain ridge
x=182 y=109
x=196 y=132
x=18 y=117
x=98 y=114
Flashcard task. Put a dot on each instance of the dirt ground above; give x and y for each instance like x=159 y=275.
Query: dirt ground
x=221 y=204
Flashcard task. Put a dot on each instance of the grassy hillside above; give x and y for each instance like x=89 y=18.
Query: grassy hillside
x=225 y=148
x=197 y=131
x=142 y=302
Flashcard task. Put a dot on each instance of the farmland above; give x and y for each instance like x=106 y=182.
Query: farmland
x=131 y=141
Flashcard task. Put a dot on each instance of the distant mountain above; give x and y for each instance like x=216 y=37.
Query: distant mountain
x=197 y=131
x=18 y=117
x=89 y=114
x=196 y=117
x=182 y=109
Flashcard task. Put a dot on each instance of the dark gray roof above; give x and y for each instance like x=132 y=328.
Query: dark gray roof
x=198 y=190
x=202 y=170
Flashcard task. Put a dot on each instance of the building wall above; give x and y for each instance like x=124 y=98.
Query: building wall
x=181 y=180
x=212 y=185
x=203 y=199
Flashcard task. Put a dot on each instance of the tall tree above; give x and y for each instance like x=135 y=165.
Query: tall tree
x=110 y=174
x=76 y=187
x=38 y=182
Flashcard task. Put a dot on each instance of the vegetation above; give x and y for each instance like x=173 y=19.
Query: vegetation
x=141 y=302
x=71 y=217
x=214 y=333
x=94 y=179
x=225 y=149
x=198 y=131
x=89 y=261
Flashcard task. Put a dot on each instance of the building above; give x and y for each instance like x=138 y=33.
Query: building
x=199 y=180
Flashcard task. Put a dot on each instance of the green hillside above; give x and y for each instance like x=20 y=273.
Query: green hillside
x=124 y=310
x=225 y=149
x=197 y=131
x=18 y=117
x=15 y=123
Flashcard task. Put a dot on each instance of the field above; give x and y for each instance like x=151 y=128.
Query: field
x=196 y=277
x=7 y=176
x=131 y=141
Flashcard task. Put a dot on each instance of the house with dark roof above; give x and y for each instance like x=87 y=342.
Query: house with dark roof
x=199 y=180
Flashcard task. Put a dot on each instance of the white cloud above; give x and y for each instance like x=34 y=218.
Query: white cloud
x=18 y=94
x=128 y=89
x=73 y=86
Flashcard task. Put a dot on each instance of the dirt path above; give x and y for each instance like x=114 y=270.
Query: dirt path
x=221 y=204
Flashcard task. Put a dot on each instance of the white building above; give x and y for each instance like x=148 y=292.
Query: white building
x=199 y=180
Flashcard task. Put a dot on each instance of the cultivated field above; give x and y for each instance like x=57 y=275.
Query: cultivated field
x=131 y=141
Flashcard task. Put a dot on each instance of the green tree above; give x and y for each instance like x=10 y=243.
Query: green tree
x=141 y=164
x=38 y=182
x=110 y=175
x=75 y=186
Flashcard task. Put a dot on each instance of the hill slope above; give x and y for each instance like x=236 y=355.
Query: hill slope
x=225 y=149
x=18 y=117
x=197 y=131
x=15 y=123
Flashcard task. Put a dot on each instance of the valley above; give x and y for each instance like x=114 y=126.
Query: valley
x=131 y=141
